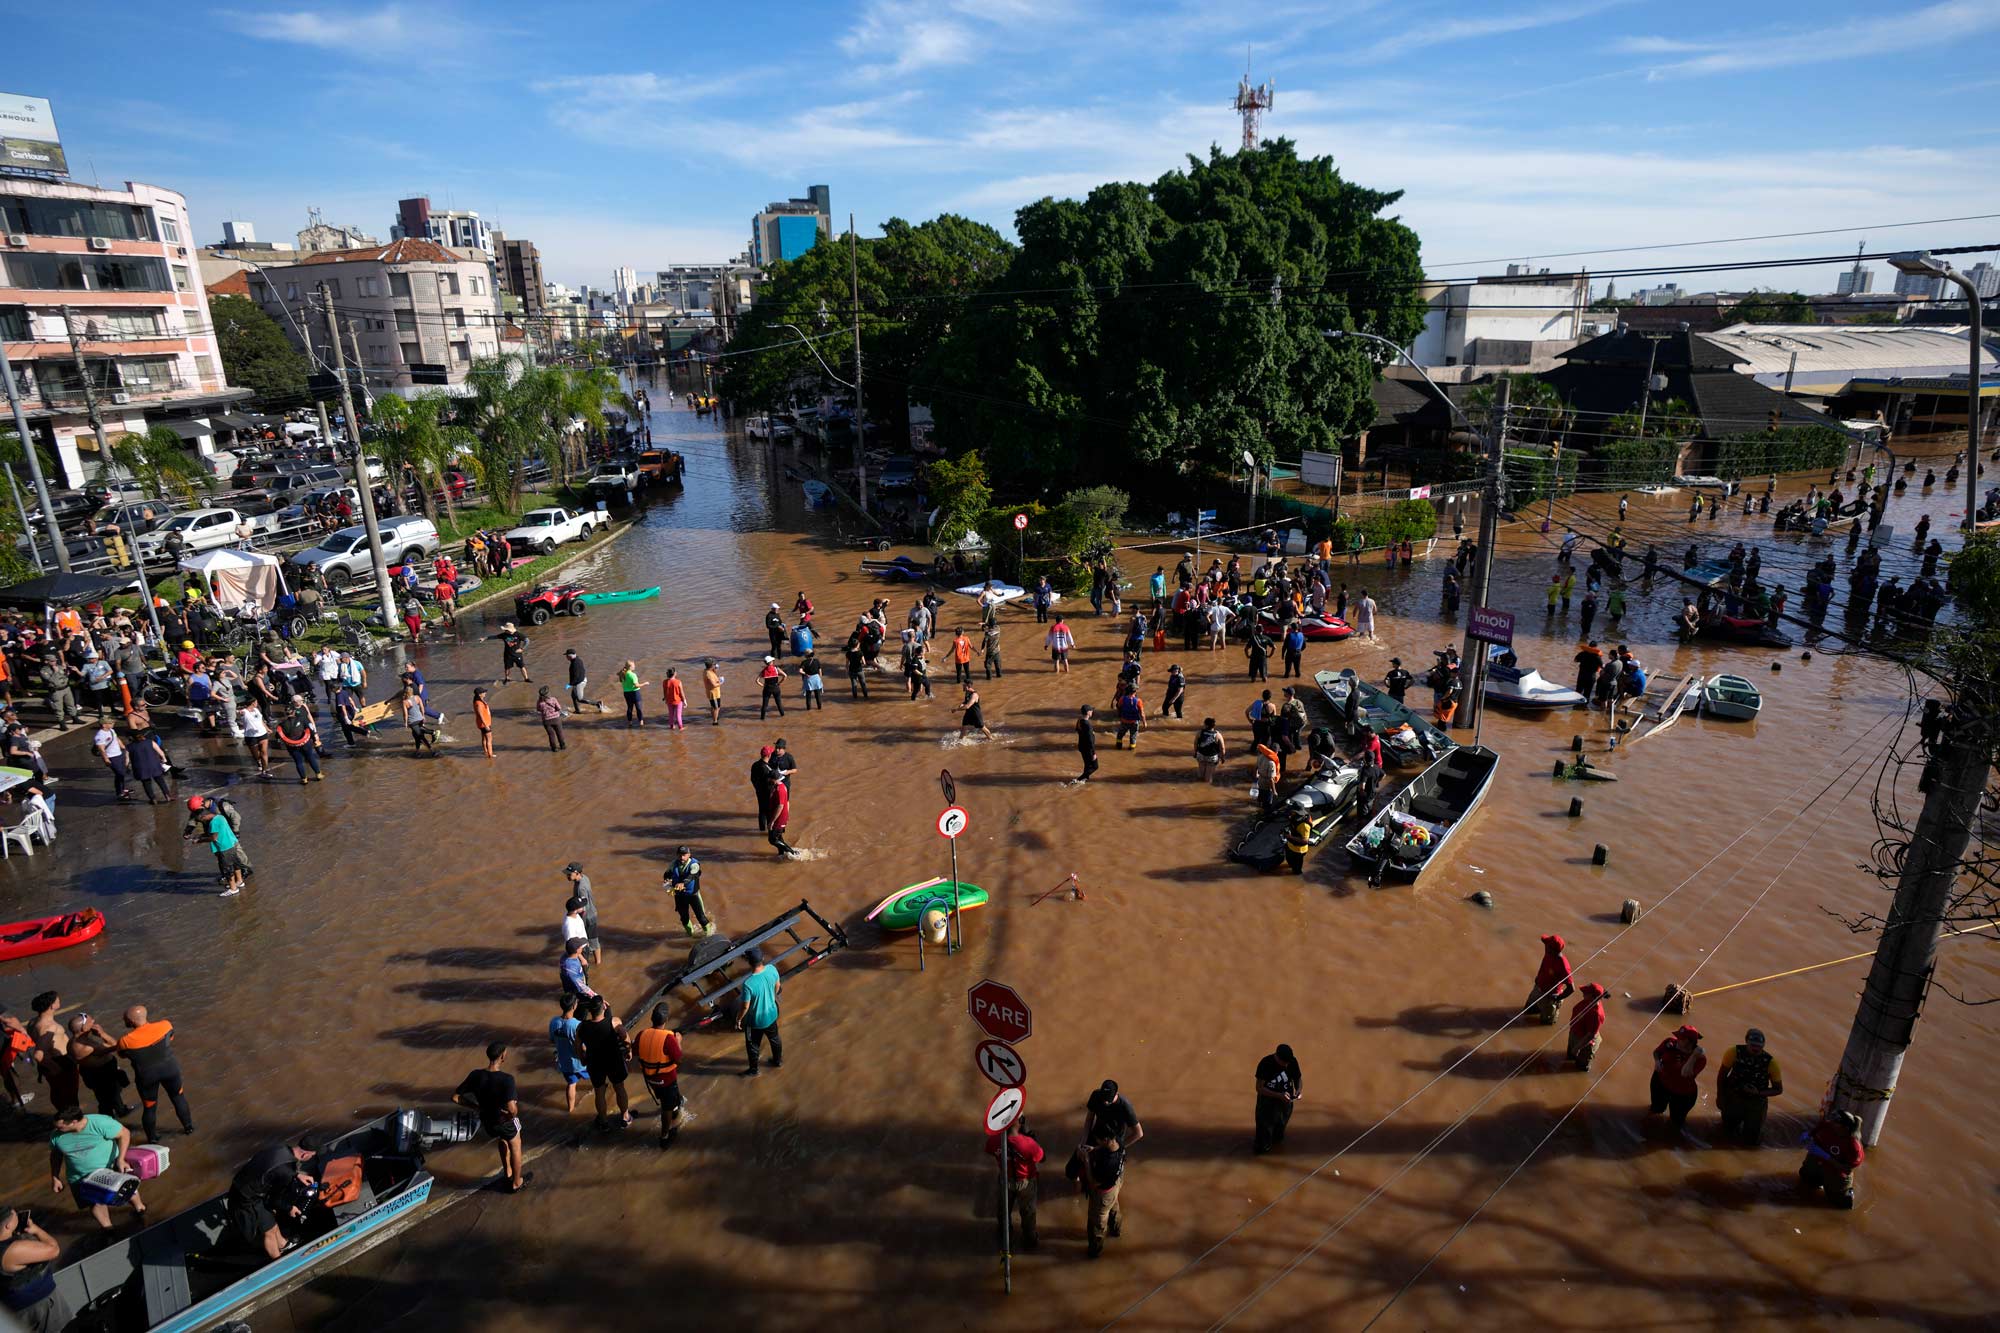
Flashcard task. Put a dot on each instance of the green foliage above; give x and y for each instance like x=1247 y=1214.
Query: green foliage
x=519 y=411
x=1788 y=449
x=1536 y=413
x=1667 y=419
x=1635 y=462
x=1969 y=647
x=915 y=282
x=1432 y=466
x=958 y=490
x=1134 y=337
x=256 y=354
x=1768 y=306
x=1105 y=504
x=413 y=433
x=159 y=461
x=1534 y=474
x=11 y=455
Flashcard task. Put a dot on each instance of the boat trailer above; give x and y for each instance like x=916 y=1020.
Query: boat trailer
x=709 y=972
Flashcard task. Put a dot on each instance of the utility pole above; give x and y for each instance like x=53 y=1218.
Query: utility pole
x=383 y=590
x=1885 y=1021
x=104 y=456
x=860 y=411
x=1646 y=393
x=1472 y=659
x=34 y=466
x=28 y=448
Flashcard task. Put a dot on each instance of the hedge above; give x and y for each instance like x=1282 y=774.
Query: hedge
x=1404 y=520
x=1642 y=462
x=1791 y=449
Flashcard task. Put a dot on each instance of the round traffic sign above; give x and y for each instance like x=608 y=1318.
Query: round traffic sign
x=948 y=786
x=952 y=821
x=1000 y=1063
x=1020 y=521
x=1005 y=1108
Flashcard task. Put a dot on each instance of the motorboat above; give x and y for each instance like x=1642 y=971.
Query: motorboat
x=192 y=1272
x=1753 y=630
x=1732 y=697
x=1325 y=798
x=1408 y=737
x=1514 y=686
x=1408 y=835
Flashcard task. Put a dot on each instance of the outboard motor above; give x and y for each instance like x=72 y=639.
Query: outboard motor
x=417 y=1132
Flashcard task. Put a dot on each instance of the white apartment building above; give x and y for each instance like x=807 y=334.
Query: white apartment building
x=122 y=264
x=413 y=315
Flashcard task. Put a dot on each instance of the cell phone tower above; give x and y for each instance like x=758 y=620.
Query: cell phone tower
x=1252 y=103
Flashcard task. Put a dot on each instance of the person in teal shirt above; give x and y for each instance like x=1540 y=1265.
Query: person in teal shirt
x=86 y=1143
x=759 y=1018
x=228 y=860
x=1159 y=583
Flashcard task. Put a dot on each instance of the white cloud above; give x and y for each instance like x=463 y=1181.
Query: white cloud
x=1656 y=46
x=381 y=33
x=1931 y=29
x=898 y=37
x=1419 y=33
x=634 y=91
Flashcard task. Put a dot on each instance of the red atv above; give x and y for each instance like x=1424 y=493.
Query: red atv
x=550 y=599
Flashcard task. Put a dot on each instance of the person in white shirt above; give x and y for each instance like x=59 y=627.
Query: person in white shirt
x=112 y=751
x=1219 y=616
x=326 y=663
x=257 y=736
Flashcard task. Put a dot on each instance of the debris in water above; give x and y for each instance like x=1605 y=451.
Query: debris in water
x=1482 y=897
x=1478 y=870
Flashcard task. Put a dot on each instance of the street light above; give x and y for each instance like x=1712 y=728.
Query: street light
x=1400 y=351
x=1927 y=265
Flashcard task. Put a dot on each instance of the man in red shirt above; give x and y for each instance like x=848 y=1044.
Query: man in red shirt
x=1677 y=1064
x=1024 y=1157
x=1586 y=1025
x=1833 y=1152
x=1553 y=983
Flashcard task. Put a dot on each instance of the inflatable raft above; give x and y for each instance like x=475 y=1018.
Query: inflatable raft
x=905 y=908
x=24 y=939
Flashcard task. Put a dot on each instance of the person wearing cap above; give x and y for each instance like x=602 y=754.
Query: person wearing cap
x=1833 y=1154
x=774 y=625
x=579 y=677
x=772 y=676
x=586 y=909
x=1399 y=679
x=1586 y=1025
x=684 y=878
x=513 y=653
x=1677 y=1065
x=1745 y=1083
x=1553 y=982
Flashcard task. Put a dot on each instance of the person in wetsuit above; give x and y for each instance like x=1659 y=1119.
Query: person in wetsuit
x=265 y=1197
x=149 y=1045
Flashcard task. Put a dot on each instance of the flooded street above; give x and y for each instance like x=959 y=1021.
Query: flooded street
x=406 y=911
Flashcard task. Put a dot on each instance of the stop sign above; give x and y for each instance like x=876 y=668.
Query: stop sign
x=999 y=1011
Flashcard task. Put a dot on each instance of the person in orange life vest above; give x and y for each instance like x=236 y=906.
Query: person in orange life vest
x=1586 y=1024
x=1833 y=1154
x=1677 y=1064
x=658 y=1051
x=1553 y=983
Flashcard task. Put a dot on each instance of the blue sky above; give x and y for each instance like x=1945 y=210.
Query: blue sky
x=648 y=133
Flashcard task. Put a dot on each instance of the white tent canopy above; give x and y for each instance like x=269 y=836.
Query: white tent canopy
x=231 y=578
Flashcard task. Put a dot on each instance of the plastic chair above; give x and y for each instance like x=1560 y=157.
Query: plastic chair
x=24 y=834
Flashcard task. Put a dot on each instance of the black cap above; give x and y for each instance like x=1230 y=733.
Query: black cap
x=572 y=867
x=683 y=850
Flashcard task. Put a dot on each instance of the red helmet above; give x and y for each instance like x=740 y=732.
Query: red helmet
x=196 y=802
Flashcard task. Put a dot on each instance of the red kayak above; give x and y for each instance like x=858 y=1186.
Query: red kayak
x=23 y=939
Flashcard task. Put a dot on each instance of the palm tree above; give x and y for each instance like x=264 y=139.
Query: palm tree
x=158 y=460
x=507 y=418
x=412 y=434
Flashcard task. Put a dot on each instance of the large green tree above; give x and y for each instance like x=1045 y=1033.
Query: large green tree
x=1149 y=335
x=256 y=355
x=916 y=280
x=158 y=461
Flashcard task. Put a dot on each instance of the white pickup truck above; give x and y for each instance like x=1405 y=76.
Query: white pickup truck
x=202 y=530
x=542 y=530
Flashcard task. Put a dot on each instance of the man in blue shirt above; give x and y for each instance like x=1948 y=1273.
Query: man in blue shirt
x=574 y=980
x=1295 y=647
x=759 y=1017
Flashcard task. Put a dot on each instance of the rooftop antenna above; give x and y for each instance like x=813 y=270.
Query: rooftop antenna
x=1252 y=102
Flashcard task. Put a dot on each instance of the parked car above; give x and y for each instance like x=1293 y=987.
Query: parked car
x=343 y=555
x=318 y=499
x=376 y=469
x=197 y=530
x=898 y=474
x=105 y=492
x=79 y=545
x=130 y=517
x=542 y=530
x=531 y=471
x=659 y=466
x=614 y=477
x=63 y=504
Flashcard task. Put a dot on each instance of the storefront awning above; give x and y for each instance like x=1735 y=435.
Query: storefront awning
x=189 y=430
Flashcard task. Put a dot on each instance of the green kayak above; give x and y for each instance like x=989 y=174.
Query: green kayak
x=909 y=906
x=629 y=595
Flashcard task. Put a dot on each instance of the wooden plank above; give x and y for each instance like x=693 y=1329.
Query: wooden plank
x=1670 y=711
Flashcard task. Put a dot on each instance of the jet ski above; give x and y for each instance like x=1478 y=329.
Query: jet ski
x=1516 y=686
x=1325 y=798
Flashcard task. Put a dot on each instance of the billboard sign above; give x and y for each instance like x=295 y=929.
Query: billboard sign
x=1490 y=625
x=28 y=140
x=1318 y=468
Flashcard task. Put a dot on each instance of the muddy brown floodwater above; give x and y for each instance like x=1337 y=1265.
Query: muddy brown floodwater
x=406 y=911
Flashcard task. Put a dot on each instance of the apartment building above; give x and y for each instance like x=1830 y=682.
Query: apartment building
x=121 y=263
x=413 y=314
